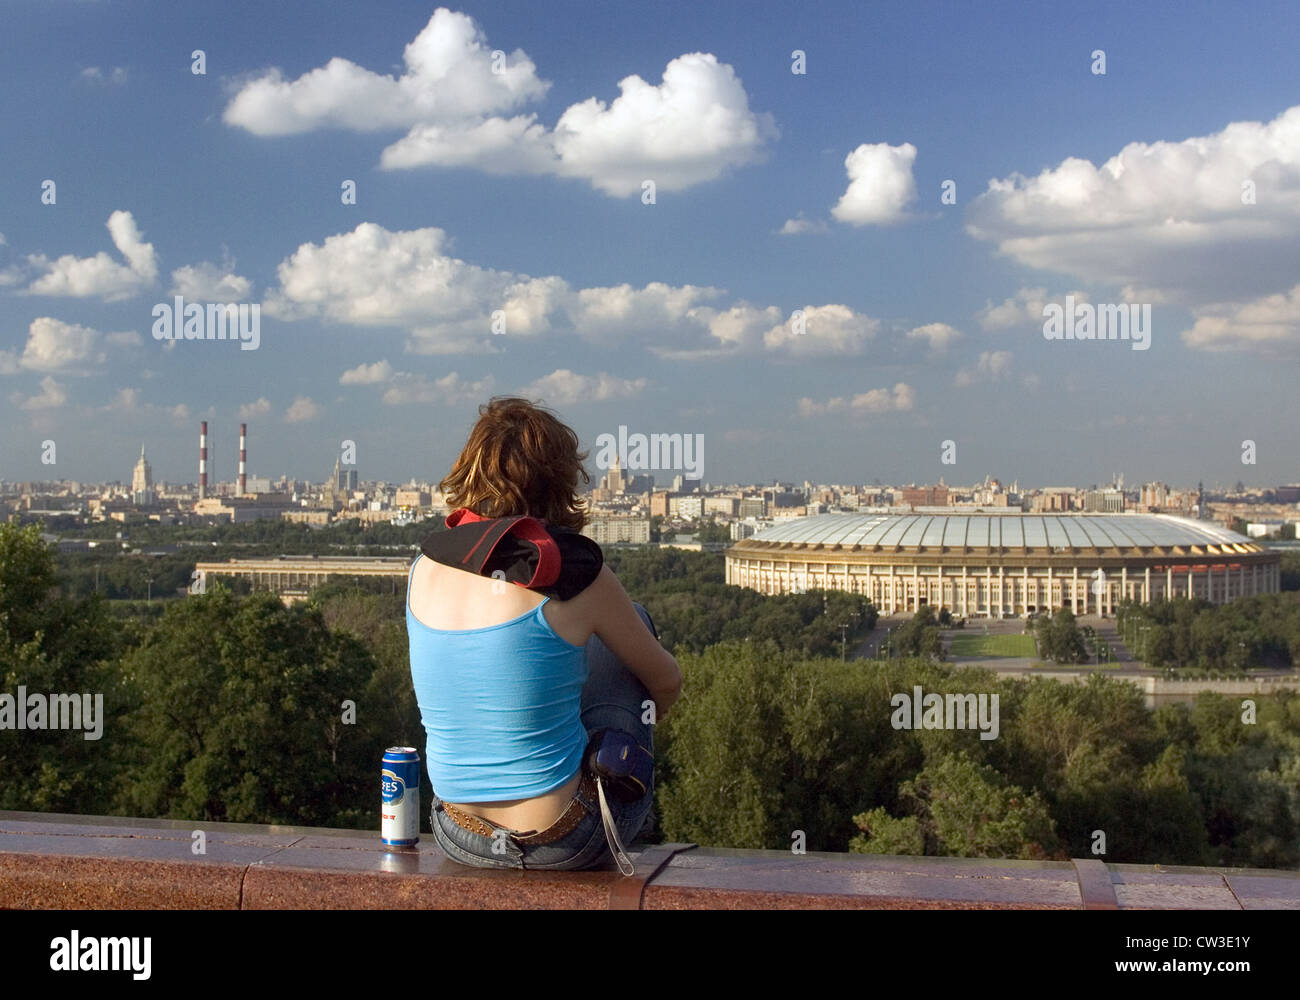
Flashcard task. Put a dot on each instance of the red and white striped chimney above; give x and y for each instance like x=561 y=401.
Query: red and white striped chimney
x=203 y=459
x=243 y=480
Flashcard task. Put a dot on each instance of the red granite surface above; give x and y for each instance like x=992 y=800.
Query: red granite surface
x=79 y=862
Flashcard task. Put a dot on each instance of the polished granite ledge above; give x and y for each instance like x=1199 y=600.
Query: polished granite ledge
x=51 y=861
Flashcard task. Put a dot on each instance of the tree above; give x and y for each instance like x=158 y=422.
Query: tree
x=27 y=575
x=52 y=645
x=1059 y=638
x=883 y=834
x=964 y=809
x=920 y=636
x=762 y=744
x=240 y=716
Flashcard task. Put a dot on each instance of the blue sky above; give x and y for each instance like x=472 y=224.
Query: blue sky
x=514 y=186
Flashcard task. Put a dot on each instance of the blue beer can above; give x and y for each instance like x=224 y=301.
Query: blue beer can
x=399 y=807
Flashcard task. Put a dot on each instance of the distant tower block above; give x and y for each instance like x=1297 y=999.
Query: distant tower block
x=203 y=459
x=243 y=457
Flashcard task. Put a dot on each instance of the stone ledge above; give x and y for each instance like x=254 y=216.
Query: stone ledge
x=53 y=861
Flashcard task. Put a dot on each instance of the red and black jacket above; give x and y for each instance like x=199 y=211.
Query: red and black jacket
x=526 y=551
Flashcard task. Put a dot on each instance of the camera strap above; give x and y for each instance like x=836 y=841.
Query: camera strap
x=611 y=832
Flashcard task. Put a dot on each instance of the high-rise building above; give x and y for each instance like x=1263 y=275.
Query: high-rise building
x=613 y=480
x=142 y=481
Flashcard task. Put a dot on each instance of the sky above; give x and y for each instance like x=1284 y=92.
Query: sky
x=826 y=240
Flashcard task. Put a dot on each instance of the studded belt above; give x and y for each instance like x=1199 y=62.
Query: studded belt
x=562 y=827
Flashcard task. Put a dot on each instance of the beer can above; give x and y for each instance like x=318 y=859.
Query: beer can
x=399 y=807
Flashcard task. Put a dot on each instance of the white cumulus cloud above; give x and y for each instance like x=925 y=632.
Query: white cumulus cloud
x=990 y=366
x=691 y=128
x=373 y=277
x=302 y=410
x=881 y=186
x=826 y=330
x=208 y=282
x=363 y=374
x=1268 y=325
x=939 y=337
x=563 y=387
x=100 y=276
x=901 y=397
x=800 y=226
x=251 y=411
x=457 y=97
x=51 y=397
x=1168 y=221
x=1024 y=309
x=55 y=346
x=449 y=76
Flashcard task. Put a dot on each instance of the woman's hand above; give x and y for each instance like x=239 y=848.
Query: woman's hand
x=664 y=700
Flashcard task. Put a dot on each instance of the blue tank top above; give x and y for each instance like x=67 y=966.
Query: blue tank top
x=501 y=706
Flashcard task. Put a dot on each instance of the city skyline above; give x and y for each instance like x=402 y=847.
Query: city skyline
x=662 y=482
x=859 y=227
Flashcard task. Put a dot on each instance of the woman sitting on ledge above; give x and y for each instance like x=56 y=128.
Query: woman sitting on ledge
x=523 y=647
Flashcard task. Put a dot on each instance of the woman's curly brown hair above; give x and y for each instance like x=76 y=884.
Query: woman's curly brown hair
x=520 y=459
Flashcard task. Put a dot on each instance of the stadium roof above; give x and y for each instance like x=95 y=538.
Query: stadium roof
x=959 y=531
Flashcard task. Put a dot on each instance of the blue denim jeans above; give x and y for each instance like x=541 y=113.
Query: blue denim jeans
x=612 y=698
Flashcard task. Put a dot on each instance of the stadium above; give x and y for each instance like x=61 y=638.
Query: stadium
x=1004 y=565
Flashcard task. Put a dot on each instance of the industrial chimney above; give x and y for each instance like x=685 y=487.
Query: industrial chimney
x=203 y=459
x=243 y=479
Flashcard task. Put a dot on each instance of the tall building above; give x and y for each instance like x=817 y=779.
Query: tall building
x=333 y=495
x=1155 y=495
x=142 y=481
x=613 y=480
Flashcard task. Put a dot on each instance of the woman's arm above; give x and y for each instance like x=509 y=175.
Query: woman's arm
x=620 y=628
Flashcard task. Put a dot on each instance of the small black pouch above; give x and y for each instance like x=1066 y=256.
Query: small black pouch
x=625 y=766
